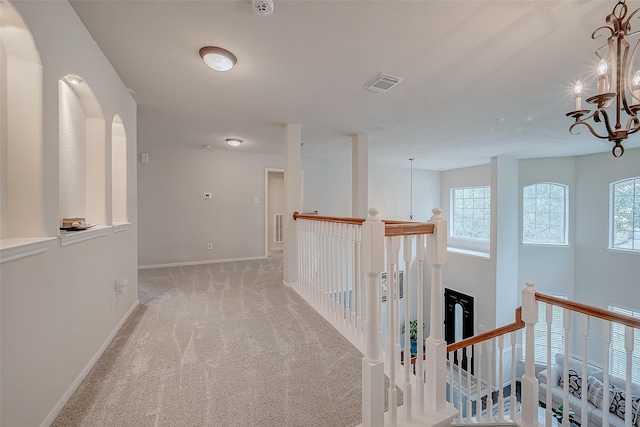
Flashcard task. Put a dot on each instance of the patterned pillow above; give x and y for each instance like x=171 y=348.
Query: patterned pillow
x=575 y=383
x=595 y=391
x=618 y=404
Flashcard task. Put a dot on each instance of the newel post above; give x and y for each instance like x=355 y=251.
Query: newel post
x=372 y=363
x=436 y=347
x=529 y=380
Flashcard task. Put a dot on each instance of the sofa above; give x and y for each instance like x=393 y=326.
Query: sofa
x=595 y=392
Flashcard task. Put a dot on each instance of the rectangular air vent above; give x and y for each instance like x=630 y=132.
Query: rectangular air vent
x=382 y=83
x=279 y=228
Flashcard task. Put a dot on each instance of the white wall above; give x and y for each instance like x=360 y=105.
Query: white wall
x=327 y=186
x=557 y=275
x=58 y=310
x=471 y=275
x=177 y=222
x=602 y=276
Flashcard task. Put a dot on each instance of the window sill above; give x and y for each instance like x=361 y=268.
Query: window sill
x=72 y=237
x=121 y=226
x=624 y=251
x=476 y=254
x=11 y=249
x=545 y=245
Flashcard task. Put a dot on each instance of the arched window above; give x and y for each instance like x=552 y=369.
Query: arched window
x=625 y=215
x=544 y=213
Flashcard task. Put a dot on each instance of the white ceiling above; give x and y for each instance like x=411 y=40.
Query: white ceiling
x=481 y=78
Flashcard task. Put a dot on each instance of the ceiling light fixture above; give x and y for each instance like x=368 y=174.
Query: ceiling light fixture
x=234 y=142
x=627 y=87
x=218 y=58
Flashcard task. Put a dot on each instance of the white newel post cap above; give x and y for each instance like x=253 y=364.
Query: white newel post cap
x=437 y=242
x=436 y=214
x=529 y=304
x=373 y=243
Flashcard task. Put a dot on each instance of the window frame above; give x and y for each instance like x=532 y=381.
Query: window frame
x=452 y=219
x=613 y=213
x=565 y=188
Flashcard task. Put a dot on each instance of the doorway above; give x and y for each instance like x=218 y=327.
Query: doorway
x=459 y=323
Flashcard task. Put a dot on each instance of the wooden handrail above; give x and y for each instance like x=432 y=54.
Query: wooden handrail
x=408 y=228
x=340 y=220
x=392 y=227
x=589 y=310
x=512 y=327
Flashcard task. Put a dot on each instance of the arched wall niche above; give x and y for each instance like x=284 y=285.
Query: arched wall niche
x=82 y=148
x=118 y=171
x=21 y=146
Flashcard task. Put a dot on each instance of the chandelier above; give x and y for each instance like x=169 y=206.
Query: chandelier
x=625 y=100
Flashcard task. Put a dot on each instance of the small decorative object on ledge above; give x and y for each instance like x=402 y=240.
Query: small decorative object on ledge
x=626 y=97
x=558 y=413
x=74 y=224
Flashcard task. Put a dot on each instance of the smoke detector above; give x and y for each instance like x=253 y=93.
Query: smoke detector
x=382 y=83
x=263 y=7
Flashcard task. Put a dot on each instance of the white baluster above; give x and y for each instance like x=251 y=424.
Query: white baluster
x=628 y=346
x=372 y=365
x=529 y=382
x=548 y=397
x=459 y=403
x=392 y=323
x=420 y=253
x=512 y=396
x=479 y=416
x=407 y=397
x=490 y=379
x=585 y=340
x=606 y=339
x=500 y=378
x=566 y=324
x=469 y=352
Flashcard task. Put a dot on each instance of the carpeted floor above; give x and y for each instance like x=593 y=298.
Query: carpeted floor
x=221 y=345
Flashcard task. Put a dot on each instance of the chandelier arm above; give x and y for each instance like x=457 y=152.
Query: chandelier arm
x=636 y=125
x=600 y=115
x=593 y=132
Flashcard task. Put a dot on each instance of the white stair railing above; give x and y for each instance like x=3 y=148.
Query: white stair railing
x=341 y=261
x=575 y=361
x=477 y=398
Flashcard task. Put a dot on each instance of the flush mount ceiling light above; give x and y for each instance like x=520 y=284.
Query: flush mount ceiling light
x=234 y=142
x=616 y=54
x=218 y=58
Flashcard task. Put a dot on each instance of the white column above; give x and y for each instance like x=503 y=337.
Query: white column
x=359 y=175
x=292 y=191
x=372 y=364
x=529 y=380
x=436 y=347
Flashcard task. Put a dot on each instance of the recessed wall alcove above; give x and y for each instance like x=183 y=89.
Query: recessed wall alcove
x=21 y=152
x=118 y=172
x=82 y=146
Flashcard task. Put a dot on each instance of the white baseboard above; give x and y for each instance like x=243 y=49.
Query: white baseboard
x=289 y=285
x=74 y=386
x=210 y=261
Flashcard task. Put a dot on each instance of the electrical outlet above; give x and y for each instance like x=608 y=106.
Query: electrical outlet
x=120 y=286
x=209 y=245
x=207 y=195
x=256 y=200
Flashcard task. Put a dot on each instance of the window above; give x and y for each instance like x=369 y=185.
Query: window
x=544 y=213
x=618 y=355
x=625 y=215
x=470 y=212
x=540 y=333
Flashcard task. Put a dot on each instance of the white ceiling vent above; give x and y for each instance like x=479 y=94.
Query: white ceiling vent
x=382 y=83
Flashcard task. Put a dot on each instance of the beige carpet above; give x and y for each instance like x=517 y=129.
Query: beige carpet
x=221 y=345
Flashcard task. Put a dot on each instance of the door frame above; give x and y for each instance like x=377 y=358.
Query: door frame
x=266 y=207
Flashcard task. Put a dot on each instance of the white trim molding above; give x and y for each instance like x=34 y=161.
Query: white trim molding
x=11 y=249
x=210 y=261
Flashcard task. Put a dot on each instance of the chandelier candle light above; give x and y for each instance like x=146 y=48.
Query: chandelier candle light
x=627 y=89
